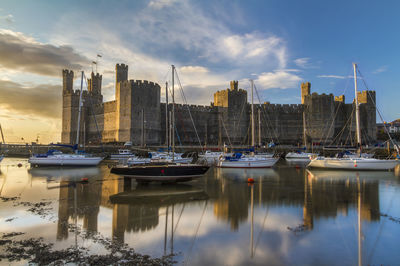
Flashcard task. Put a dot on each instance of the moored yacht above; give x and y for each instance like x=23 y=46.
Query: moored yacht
x=240 y=161
x=54 y=157
x=299 y=155
x=354 y=163
x=122 y=154
x=248 y=161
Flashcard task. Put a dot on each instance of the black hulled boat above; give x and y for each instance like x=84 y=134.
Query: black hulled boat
x=162 y=173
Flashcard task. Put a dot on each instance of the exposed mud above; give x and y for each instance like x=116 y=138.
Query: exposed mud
x=35 y=250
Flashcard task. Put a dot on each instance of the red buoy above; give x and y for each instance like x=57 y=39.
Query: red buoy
x=250 y=180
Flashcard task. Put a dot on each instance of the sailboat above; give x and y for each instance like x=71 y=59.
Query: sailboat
x=358 y=163
x=251 y=161
x=167 y=171
x=57 y=158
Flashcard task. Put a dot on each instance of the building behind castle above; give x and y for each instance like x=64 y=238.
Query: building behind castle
x=137 y=115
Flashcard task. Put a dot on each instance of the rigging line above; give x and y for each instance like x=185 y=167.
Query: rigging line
x=237 y=128
x=226 y=132
x=165 y=76
x=190 y=114
x=333 y=119
x=197 y=231
x=179 y=218
x=266 y=114
x=262 y=229
x=379 y=113
x=94 y=116
x=341 y=132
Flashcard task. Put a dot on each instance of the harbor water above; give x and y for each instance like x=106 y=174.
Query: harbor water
x=289 y=215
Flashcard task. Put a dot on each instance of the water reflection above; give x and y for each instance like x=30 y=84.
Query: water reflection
x=67 y=173
x=77 y=199
x=139 y=209
x=229 y=212
x=332 y=192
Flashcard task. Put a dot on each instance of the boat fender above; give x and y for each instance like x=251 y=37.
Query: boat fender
x=250 y=180
x=19 y=165
x=355 y=163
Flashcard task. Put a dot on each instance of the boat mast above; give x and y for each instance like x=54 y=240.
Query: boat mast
x=304 y=130
x=166 y=115
x=252 y=115
x=173 y=114
x=357 y=109
x=79 y=113
x=259 y=127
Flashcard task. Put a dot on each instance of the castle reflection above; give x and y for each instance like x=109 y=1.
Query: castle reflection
x=321 y=194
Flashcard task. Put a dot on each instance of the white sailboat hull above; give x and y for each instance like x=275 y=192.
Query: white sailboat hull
x=248 y=163
x=301 y=155
x=353 y=163
x=65 y=160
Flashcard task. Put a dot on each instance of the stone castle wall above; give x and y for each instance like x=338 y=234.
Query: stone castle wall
x=137 y=115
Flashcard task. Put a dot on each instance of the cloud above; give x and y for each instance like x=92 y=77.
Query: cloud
x=24 y=53
x=37 y=101
x=380 y=70
x=159 y=4
x=278 y=79
x=302 y=62
x=184 y=34
x=332 y=76
x=193 y=69
x=253 y=46
x=206 y=52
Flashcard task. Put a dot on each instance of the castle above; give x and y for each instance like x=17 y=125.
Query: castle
x=137 y=115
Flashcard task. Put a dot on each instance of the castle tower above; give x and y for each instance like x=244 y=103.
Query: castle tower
x=305 y=90
x=233 y=112
x=121 y=73
x=68 y=80
x=367 y=100
x=234 y=85
x=70 y=108
x=94 y=84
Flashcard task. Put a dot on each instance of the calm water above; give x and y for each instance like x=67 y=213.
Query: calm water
x=289 y=216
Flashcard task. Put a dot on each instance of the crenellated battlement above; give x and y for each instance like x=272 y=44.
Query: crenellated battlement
x=365 y=96
x=121 y=72
x=194 y=108
x=68 y=80
x=94 y=83
x=284 y=108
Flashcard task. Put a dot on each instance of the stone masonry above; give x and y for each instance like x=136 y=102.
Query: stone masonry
x=137 y=115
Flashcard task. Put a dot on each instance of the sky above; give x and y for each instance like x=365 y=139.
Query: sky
x=278 y=44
